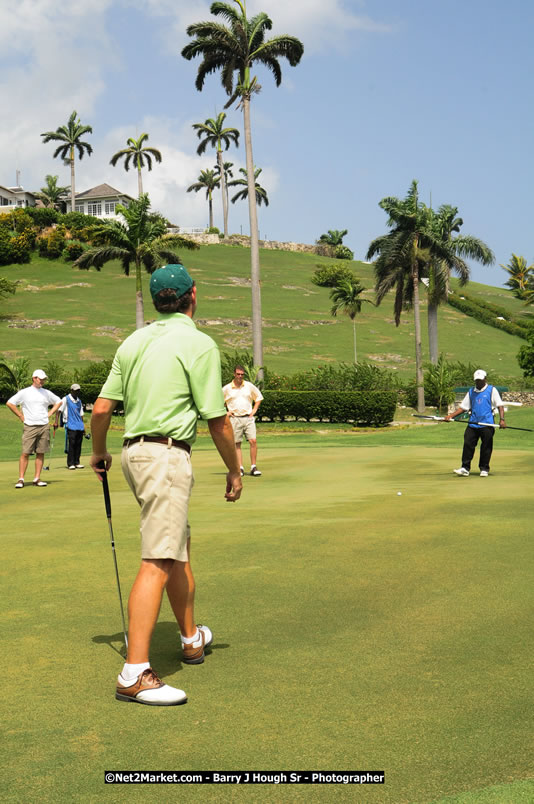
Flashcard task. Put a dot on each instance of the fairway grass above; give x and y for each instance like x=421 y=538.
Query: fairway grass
x=353 y=628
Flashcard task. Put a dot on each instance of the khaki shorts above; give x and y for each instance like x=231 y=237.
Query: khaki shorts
x=243 y=426
x=161 y=479
x=35 y=438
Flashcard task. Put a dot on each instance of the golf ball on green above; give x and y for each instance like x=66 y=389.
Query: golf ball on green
x=399 y=493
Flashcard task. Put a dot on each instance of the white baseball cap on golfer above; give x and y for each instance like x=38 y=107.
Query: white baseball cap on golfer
x=479 y=374
x=75 y=387
x=40 y=374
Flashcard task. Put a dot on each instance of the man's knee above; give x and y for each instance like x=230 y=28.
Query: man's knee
x=157 y=567
x=252 y=442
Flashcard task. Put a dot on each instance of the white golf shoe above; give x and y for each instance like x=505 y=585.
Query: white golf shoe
x=149 y=689
x=461 y=472
x=484 y=473
x=193 y=653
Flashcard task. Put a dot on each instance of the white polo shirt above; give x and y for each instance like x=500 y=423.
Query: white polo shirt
x=239 y=400
x=34 y=403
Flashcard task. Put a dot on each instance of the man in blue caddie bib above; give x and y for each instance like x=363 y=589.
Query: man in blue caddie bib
x=481 y=401
x=72 y=412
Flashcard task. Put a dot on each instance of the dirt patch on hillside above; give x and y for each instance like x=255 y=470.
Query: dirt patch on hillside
x=27 y=323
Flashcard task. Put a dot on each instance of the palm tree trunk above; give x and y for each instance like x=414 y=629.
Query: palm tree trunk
x=223 y=192
x=418 y=348
x=210 y=205
x=72 y=183
x=257 y=344
x=139 y=308
x=433 y=332
x=139 y=182
x=354 y=330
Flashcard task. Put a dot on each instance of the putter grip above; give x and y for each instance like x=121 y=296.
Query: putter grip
x=107 y=498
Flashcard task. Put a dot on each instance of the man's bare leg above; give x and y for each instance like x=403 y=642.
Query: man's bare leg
x=23 y=464
x=39 y=460
x=181 y=594
x=144 y=605
x=253 y=451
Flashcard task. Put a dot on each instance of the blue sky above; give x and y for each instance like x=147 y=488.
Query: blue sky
x=386 y=92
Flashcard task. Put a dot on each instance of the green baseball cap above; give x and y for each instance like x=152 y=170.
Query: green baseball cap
x=170 y=277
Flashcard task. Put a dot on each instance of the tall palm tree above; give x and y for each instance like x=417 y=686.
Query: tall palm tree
x=334 y=237
x=346 y=299
x=139 y=155
x=209 y=182
x=520 y=277
x=228 y=174
x=261 y=193
x=139 y=239
x=51 y=194
x=445 y=223
x=235 y=49
x=402 y=253
x=212 y=132
x=71 y=138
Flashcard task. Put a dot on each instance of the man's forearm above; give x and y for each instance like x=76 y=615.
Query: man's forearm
x=14 y=409
x=222 y=434
x=100 y=421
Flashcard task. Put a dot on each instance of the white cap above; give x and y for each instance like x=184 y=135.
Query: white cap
x=40 y=374
x=75 y=387
x=479 y=374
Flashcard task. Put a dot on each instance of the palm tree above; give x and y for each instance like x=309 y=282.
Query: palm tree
x=346 y=299
x=334 y=237
x=212 y=132
x=445 y=223
x=70 y=135
x=261 y=194
x=520 y=277
x=228 y=174
x=51 y=194
x=139 y=155
x=234 y=49
x=140 y=240
x=403 y=252
x=207 y=181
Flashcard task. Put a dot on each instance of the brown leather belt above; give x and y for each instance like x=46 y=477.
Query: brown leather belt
x=159 y=440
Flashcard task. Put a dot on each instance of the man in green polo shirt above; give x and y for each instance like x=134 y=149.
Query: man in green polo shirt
x=166 y=375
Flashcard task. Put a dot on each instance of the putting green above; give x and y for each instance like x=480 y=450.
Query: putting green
x=354 y=628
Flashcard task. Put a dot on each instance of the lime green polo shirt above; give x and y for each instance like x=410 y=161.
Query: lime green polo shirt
x=167 y=374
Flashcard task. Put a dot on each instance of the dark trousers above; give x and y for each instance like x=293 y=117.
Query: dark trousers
x=471 y=436
x=74 y=446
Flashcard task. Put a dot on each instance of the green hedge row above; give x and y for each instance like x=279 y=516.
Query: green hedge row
x=375 y=408
x=487 y=314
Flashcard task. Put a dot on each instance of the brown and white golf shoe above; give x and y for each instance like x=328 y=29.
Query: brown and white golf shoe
x=149 y=689
x=194 y=652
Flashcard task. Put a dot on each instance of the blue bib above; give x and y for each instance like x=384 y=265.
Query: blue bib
x=481 y=410
x=74 y=418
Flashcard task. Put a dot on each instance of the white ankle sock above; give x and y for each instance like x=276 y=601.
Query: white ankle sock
x=131 y=671
x=190 y=640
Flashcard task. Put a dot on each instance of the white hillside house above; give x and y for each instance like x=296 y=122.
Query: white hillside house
x=13 y=197
x=101 y=202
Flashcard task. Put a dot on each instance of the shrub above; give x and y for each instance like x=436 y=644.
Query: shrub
x=94 y=373
x=5 y=246
x=439 y=384
x=489 y=314
x=21 y=246
x=328 y=276
x=525 y=357
x=73 y=249
x=74 y=221
x=43 y=216
x=214 y=230
x=375 y=408
x=342 y=252
x=55 y=243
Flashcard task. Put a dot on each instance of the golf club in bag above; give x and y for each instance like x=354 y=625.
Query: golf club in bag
x=107 y=501
x=47 y=468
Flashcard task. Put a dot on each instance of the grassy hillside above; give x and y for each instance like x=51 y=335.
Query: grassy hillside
x=61 y=313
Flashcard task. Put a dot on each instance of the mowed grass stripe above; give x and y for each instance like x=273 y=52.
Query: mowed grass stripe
x=353 y=628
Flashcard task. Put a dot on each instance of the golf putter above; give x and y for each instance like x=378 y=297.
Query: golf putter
x=47 y=468
x=107 y=501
